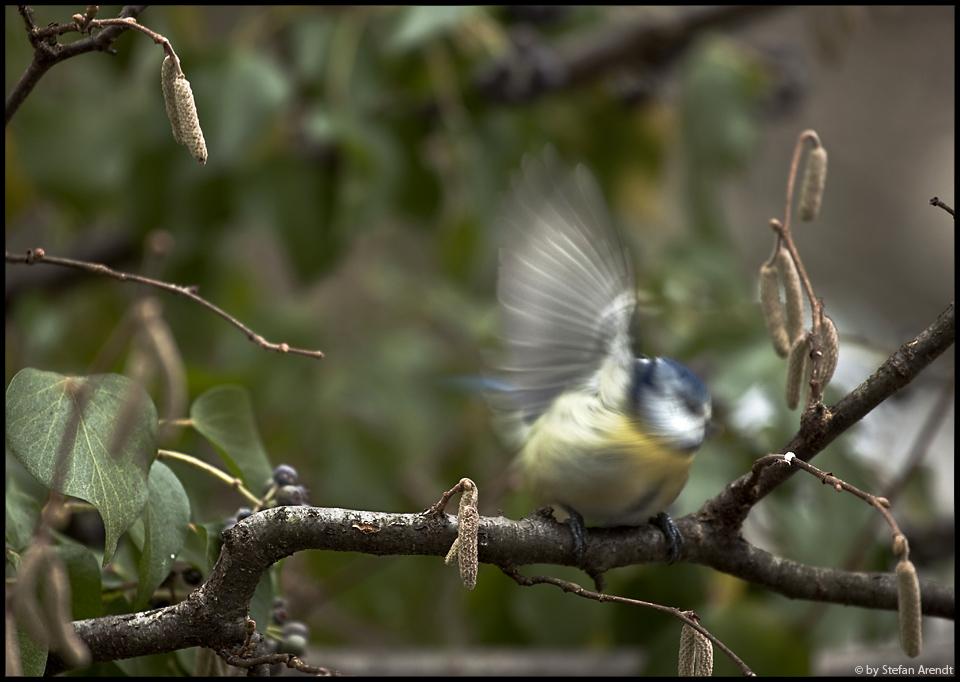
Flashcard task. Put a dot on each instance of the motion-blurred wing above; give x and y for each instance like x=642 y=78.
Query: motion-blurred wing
x=567 y=291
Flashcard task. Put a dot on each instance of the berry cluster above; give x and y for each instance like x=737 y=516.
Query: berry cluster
x=281 y=490
x=293 y=636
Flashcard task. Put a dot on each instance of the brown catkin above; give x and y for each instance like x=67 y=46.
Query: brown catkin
x=773 y=309
x=796 y=371
x=792 y=294
x=696 y=654
x=464 y=547
x=908 y=598
x=189 y=121
x=468 y=522
x=830 y=342
x=814 y=180
x=168 y=74
x=182 y=110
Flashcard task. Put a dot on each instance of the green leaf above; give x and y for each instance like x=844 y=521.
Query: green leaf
x=224 y=416
x=202 y=546
x=257 y=84
x=166 y=520
x=90 y=437
x=263 y=597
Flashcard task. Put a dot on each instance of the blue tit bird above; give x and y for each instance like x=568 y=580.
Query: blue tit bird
x=604 y=433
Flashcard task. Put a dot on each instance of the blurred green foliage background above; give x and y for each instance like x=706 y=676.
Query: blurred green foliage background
x=348 y=204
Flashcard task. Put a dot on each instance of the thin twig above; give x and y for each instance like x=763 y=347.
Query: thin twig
x=881 y=504
x=936 y=202
x=686 y=617
x=232 y=481
x=784 y=231
x=38 y=256
x=785 y=237
x=918 y=452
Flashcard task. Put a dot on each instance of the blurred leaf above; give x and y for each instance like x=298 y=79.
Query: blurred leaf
x=33 y=656
x=421 y=23
x=310 y=41
x=85 y=584
x=90 y=437
x=253 y=84
x=721 y=94
x=722 y=87
x=225 y=417
x=22 y=515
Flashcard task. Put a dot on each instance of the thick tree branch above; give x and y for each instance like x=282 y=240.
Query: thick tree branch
x=213 y=615
x=649 y=43
x=799 y=581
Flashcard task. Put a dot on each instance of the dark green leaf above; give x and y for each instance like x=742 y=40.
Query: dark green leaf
x=166 y=519
x=22 y=514
x=85 y=584
x=90 y=437
x=33 y=656
x=225 y=417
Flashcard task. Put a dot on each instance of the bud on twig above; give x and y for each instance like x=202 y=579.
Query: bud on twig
x=900 y=544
